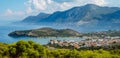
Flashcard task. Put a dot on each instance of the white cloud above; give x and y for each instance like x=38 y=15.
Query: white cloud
x=40 y=4
x=65 y=5
x=83 y=2
x=52 y=5
x=9 y=12
x=29 y=10
x=34 y=7
x=49 y=1
x=99 y=2
x=47 y=6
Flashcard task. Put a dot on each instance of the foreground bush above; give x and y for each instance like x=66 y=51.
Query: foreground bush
x=30 y=49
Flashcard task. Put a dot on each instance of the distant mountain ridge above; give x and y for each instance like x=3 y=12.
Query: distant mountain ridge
x=33 y=19
x=87 y=14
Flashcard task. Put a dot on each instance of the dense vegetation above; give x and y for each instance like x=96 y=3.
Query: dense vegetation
x=45 y=32
x=50 y=32
x=30 y=49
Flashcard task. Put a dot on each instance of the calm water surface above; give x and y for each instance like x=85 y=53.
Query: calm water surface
x=6 y=29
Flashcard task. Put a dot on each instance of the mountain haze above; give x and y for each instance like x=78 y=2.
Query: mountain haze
x=87 y=14
x=33 y=19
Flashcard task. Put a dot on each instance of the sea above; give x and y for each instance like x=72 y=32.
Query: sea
x=5 y=29
x=8 y=27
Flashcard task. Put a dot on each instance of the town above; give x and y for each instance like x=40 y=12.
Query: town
x=82 y=43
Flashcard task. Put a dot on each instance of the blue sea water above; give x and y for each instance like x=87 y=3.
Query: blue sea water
x=5 y=29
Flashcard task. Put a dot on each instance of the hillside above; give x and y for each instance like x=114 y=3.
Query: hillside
x=87 y=14
x=34 y=19
x=45 y=32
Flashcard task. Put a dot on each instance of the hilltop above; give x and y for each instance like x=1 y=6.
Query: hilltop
x=45 y=32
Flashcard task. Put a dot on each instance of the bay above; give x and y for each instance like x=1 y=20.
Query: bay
x=6 y=29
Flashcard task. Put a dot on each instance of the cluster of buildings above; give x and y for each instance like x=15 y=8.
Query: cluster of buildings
x=82 y=43
x=105 y=37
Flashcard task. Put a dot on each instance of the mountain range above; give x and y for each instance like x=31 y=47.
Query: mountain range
x=89 y=14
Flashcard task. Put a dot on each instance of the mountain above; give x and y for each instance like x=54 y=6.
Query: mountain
x=113 y=17
x=45 y=32
x=87 y=14
x=33 y=19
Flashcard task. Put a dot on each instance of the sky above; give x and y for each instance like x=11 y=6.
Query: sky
x=19 y=9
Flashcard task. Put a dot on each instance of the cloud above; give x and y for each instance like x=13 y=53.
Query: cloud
x=9 y=14
x=50 y=6
x=39 y=4
x=83 y=2
x=29 y=10
x=99 y=2
x=58 y=5
x=47 y=6
x=61 y=1
x=49 y=1
x=33 y=7
x=64 y=5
